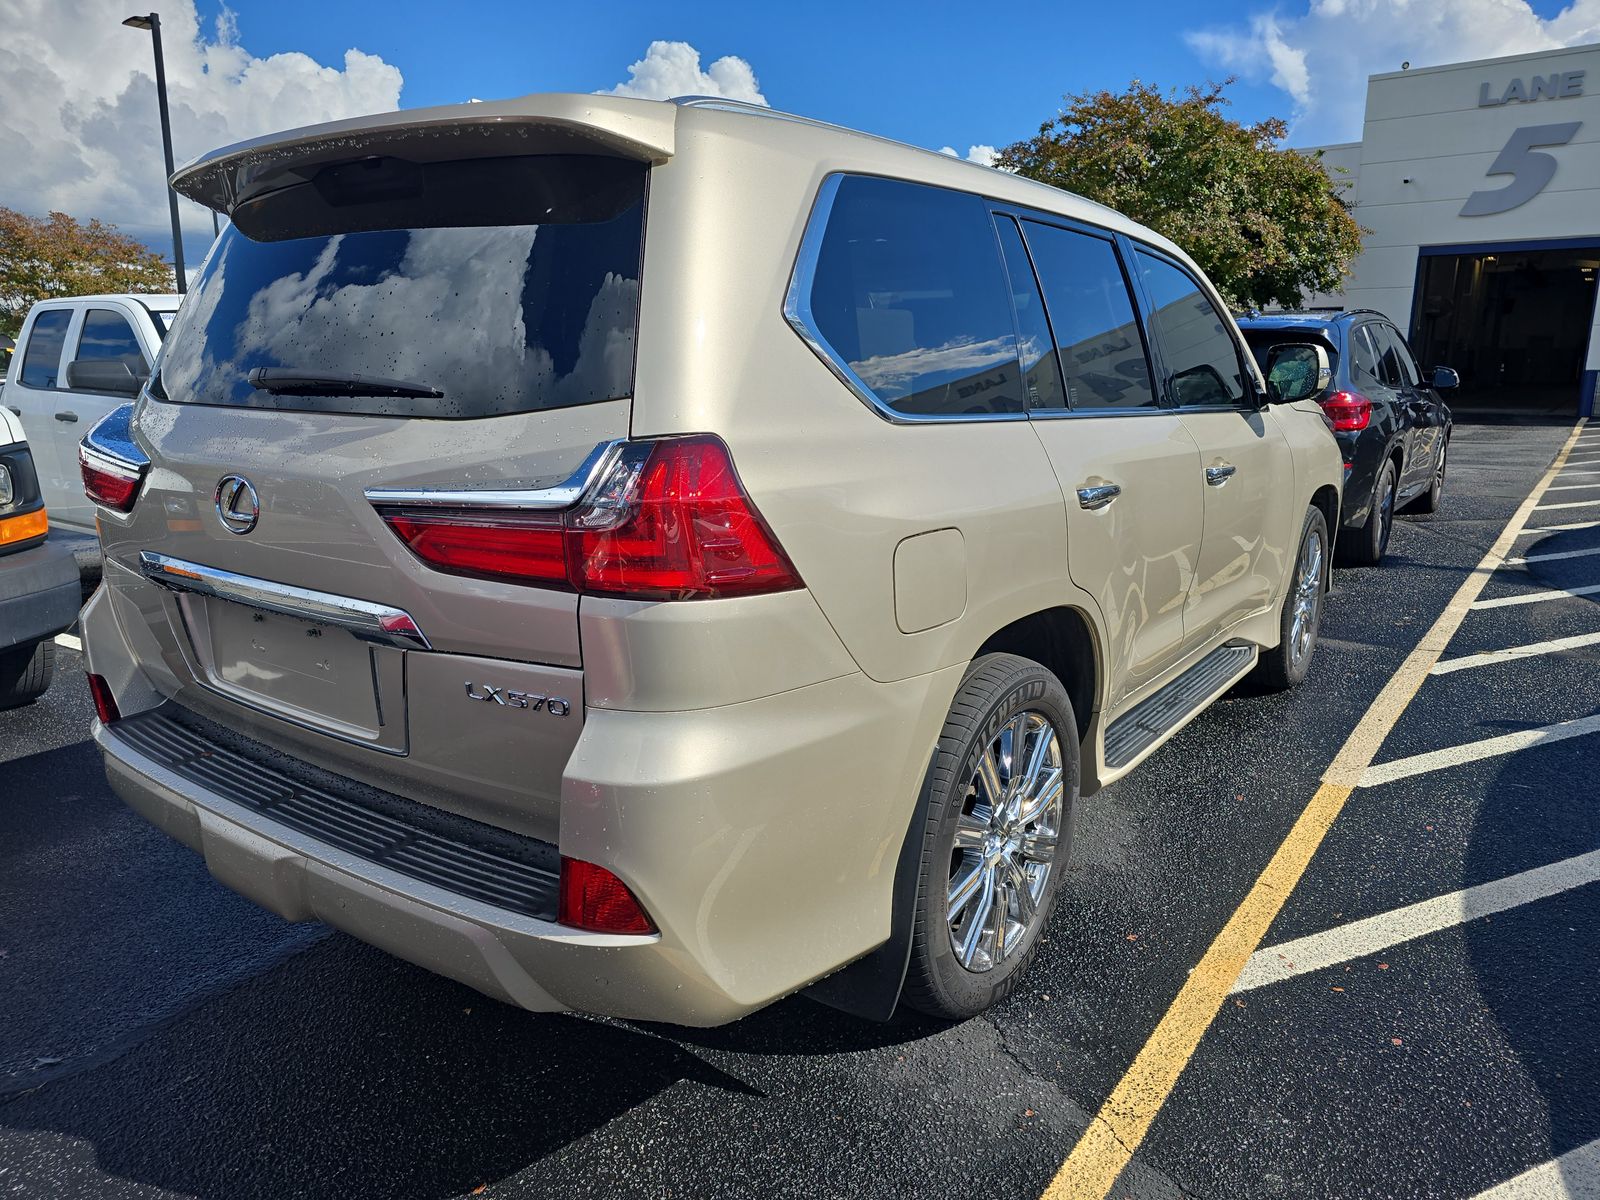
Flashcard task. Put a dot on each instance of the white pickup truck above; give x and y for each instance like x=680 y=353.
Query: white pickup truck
x=78 y=358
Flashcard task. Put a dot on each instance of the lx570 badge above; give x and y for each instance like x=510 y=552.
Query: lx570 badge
x=554 y=705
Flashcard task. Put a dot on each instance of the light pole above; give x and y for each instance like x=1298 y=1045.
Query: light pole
x=152 y=22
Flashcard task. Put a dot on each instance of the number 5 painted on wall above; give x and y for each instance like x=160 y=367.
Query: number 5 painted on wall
x=1531 y=170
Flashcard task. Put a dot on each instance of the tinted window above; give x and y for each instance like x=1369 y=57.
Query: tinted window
x=910 y=292
x=107 y=337
x=1200 y=357
x=510 y=284
x=1364 y=356
x=42 y=359
x=1395 y=361
x=1041 y=376
x=1092 y=314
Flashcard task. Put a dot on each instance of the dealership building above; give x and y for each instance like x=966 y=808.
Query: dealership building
x=1480 y=184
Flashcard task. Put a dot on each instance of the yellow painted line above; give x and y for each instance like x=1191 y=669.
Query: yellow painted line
x=1112 y=1138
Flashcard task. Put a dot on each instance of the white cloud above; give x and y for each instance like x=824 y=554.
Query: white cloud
x=981 y=154
x=1322 y=58
x=78 y=126
x=671 y=69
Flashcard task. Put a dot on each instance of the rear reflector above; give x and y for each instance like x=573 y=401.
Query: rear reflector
x=593 y=898
x=1349 y=411
x=105 y=704
x=109 y=481
x=666 y=520
x=23 y=528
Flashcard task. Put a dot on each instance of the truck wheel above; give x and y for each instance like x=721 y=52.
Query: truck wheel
x=1003 y=784
x=1286 y=664
x=25 y=672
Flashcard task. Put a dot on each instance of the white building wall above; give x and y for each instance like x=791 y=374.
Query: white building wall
x=1427 y=145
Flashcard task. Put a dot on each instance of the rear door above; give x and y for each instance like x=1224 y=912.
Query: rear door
x=435 y=328
x=1422 y=407
x=1245 y=470
x=1128 y=469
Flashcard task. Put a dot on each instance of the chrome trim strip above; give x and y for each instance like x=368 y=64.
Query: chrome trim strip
x=109 y=444
x=553 y=498
x=369 y=621
x=797 y=311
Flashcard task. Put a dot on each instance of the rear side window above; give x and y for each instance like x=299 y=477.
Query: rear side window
x=1092 y=313
x=1364 y=356
x=1395 y=361
x=1041 y=376
x=1202 y=360
x=507 y=285
x=107 y=337
x=908 y=293
x=41 y=361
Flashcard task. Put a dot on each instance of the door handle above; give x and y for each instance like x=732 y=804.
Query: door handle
x=15 y=411
x=1217 y=476
x=67 y=415
x=1098 y=496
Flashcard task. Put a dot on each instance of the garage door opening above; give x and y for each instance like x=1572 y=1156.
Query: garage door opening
x=1514 y=323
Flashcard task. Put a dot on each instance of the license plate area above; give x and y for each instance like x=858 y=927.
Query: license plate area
x=314 y=675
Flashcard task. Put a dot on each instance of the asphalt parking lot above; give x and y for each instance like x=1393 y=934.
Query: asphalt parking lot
x=1419 y=1020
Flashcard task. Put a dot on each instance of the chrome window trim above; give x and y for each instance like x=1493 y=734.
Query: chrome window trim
x=797 y=311
x=369 y=621
x=552 y=498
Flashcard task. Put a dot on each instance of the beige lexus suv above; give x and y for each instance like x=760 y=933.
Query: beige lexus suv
x=652 y=558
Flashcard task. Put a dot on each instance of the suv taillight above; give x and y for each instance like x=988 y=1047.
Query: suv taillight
x=1349 y=411
x=113 y=465
x=666 y=520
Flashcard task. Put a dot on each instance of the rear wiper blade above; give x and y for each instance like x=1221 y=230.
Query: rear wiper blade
x=285 y=381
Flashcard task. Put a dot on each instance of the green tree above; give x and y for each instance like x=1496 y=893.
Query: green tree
x=1265 y=223
x=58 y=256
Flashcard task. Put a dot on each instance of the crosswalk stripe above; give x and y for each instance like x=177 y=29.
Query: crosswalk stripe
x=1344 y=943
x=1511 y=654
x=1538 y=597
x=1454 y=756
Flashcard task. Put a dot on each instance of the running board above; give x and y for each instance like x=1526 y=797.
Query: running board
x=1158 y=714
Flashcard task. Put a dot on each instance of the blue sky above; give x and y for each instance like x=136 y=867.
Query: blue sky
x=932 y=74
x=925 y=73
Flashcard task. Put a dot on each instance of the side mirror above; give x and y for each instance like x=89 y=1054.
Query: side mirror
x=1296 y=371
x=109 y=375
x=1444 y=379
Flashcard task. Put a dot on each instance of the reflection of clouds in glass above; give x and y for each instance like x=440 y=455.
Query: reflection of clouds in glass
x=448 y=314
x=892 y=376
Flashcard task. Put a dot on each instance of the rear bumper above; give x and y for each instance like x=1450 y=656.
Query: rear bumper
x=761 y=837
x=39 y=593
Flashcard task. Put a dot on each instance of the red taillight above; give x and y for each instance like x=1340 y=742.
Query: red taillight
x=593 y=898
x=105 y=704
x=1349 y=411
x=109 y=482
x=668 y=520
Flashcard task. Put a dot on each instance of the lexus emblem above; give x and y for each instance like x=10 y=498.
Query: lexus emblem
x=238 y=507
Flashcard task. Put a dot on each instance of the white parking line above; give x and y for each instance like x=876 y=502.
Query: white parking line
x=1454 y=756
x=1558 y=528
x=1573 y=1176
x=1575 y=487
x=70 y=642
x=1568 y=504
x=1588 y=589
x=1551 y=557
x=1274 y=964
x=1511 y=654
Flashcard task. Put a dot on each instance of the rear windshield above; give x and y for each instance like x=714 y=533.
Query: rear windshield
x=465 y=289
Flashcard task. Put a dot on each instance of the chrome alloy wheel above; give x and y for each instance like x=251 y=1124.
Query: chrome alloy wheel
x=1307 y=598
x=1438 y=474
x=1005 y=842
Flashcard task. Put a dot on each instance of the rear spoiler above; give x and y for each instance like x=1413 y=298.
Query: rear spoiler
x=551 y=123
